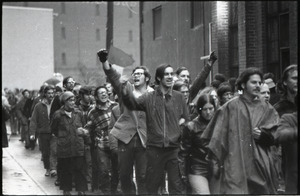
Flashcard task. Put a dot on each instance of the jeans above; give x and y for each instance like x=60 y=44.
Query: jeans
x=132 y=154
x=102 y=169
x=88 y=162
x=199 y=184
x=161 y=159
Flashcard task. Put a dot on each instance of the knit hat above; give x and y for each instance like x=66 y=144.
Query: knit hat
x=65 y=96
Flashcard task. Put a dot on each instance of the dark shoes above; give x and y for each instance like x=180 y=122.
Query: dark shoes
x=53 y=173
x=47 y=172
x=56 y=183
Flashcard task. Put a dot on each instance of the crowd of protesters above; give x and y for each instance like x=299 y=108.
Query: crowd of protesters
x=232 y=136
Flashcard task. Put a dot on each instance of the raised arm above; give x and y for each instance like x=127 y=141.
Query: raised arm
x=130 y=100
x=201 y=77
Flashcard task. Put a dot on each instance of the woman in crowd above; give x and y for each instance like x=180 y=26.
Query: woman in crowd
x=193 y=153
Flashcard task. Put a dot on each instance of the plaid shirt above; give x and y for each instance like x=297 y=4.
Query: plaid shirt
x=100 y=118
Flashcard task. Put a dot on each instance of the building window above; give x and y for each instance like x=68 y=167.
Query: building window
x=98 y=34
x=278 y=49
x=63 y=8
x=197 y=11
x=63 y=59
x=63 y=33
x=130 y=36
x=97 y=10
x=157 y=22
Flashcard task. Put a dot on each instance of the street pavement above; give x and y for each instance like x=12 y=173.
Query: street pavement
x=23 y=172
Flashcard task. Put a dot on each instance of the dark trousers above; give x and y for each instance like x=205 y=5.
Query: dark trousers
x=44 y=142
x=132 y=154
x=73 y=166
x=161 y=159
x=114 y=170
x=25 y=134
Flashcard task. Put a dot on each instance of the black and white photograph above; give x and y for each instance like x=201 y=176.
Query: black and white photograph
x=150 y=98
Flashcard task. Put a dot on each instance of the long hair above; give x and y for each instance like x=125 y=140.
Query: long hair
x=245 y=75
x=203 y=99
x=160 y=70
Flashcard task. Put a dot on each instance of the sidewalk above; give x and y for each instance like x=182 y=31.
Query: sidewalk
x=23 y=171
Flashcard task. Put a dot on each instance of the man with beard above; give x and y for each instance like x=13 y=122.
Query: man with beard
x=165 y=109
x=40 y=123
x=238 y=139
x=98 y=121
x=130 y=128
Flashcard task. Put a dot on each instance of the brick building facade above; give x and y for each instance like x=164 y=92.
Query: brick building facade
x=261 y=34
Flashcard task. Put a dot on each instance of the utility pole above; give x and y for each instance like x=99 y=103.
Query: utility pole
x=109 y=24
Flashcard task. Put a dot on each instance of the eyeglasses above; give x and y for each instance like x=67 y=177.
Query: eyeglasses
x=137 y=74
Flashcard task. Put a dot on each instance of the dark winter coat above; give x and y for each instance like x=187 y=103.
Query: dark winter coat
x=69 y=142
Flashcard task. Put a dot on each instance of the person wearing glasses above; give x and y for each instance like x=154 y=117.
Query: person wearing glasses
x=97 y=123
x=130 y=129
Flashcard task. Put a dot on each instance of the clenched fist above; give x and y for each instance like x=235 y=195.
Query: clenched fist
x=212 y=57
x=102 y=54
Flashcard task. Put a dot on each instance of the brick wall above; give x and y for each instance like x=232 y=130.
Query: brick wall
x=242 y=36
x=293 y=32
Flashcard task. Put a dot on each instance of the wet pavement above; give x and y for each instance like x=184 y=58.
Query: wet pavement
x=23 y=172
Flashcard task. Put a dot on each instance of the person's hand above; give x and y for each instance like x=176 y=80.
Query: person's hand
x=212 y=57
x=32 y=137
x=181 y=121
x=103 y=55
x=256 y=133
x=82 y=131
